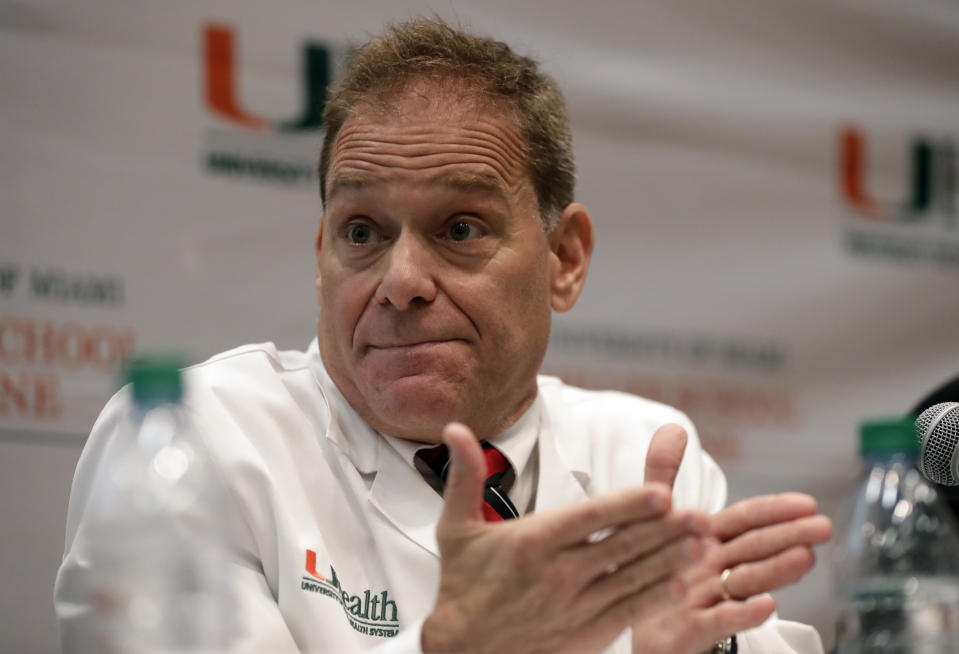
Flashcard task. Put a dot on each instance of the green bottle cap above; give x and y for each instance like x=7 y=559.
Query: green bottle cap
x=155 y=378
x=888 y=436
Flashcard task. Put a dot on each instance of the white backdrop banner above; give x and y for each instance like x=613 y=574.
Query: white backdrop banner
x=774 y=187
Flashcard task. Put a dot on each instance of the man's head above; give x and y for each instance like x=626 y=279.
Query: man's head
x=440 y=253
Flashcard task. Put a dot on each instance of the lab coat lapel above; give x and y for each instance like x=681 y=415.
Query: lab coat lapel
x=401 y=495
x=564 y=460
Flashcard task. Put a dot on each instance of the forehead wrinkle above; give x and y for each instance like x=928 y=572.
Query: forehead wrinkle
x=421 y=140
x=508 y=161
x=371 y=158
x=510 y=148
x=427 y=160
x=457 y=179
x=419 y=150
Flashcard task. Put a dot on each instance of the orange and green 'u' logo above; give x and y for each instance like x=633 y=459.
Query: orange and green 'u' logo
x=931 y=186
x=220 y=53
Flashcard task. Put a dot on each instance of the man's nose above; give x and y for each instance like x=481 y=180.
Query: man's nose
x=408 y=276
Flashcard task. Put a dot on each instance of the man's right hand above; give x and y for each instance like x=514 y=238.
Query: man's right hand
x=546 y=582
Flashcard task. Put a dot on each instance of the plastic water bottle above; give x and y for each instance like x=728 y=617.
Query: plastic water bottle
x=159 y=581
x=898 y=565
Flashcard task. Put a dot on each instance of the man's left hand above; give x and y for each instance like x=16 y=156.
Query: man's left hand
x=764 y=542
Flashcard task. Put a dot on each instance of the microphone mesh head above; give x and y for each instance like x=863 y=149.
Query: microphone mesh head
x=938 y=447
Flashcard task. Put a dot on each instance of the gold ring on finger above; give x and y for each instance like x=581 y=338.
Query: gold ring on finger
x=723 y=578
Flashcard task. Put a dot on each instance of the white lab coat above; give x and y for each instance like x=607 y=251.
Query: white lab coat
x=334 y=533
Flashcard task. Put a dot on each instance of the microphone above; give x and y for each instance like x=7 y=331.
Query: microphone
x=938 y=431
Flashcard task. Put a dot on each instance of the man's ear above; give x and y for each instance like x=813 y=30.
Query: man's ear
x=571 y=246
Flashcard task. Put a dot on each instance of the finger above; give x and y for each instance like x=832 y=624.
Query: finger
x=765 y=542
x=637 y=540
x=642 y=573
x=665 y=454
x=761 y=511
x=709 y=625
x=665 y=595
x=574 y=524
x=752 y=579
x=463 y=493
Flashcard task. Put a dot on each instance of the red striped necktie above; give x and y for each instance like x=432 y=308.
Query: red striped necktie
x=433 y=464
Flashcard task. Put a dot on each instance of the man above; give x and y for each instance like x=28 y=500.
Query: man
x=449 y=235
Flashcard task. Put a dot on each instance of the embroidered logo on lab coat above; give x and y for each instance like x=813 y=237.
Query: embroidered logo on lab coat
x=370 y=613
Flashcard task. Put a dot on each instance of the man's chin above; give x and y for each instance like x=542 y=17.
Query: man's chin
x=416 y=427
x=417 y=409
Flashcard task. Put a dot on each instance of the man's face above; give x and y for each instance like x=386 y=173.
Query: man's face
x=433 y=266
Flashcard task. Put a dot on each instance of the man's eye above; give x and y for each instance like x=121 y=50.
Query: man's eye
x=359 y=234
x=462 y=231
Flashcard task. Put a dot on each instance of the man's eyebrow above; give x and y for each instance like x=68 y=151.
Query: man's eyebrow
x=349 y=181
x=483 y=182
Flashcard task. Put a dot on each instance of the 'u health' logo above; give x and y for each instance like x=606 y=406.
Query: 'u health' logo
x=370 y=613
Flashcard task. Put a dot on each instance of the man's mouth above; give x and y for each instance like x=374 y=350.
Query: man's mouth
x=409 y=344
